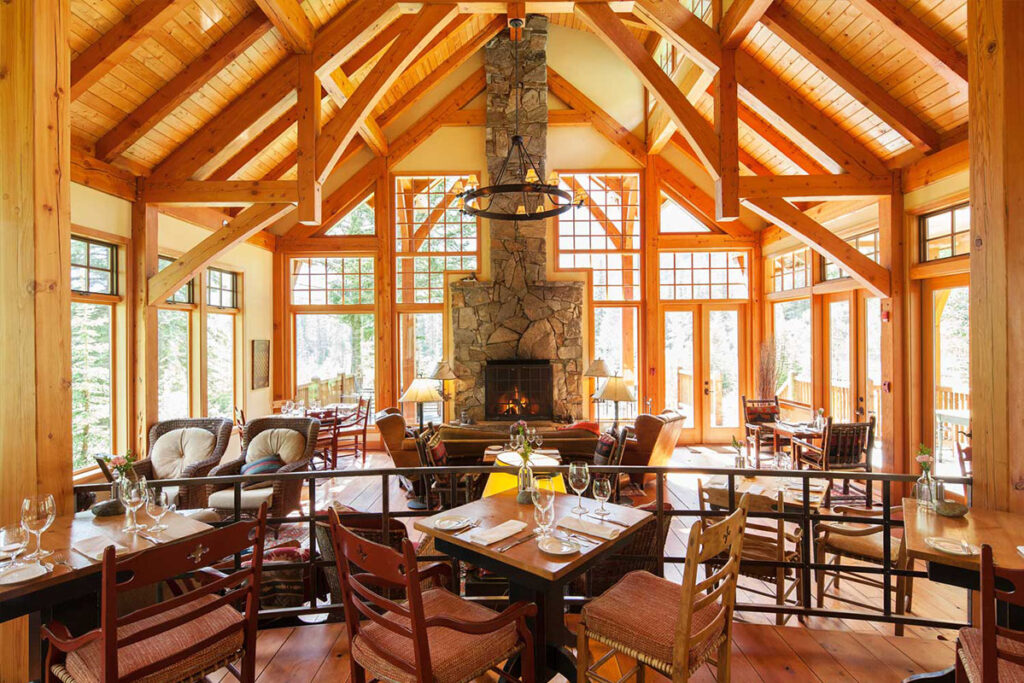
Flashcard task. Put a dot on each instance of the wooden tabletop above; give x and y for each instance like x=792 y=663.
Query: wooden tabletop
x=1004 y=531
x=491 y=454
x=494 y=510
x=793 y=429
x=69 y=530
x=770 y=485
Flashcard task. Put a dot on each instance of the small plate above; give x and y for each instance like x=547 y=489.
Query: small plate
x=22 y=573
x=451 y=522
x=951 y=546
x=558 y=546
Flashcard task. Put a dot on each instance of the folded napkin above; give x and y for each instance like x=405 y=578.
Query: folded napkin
x=717 y=482
x=496 y=533
x=815 y=485
x=94 y=546
x=590 y=528
x=755 y=489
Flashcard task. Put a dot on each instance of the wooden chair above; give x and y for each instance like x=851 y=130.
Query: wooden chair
x=608 y=453
x=757 y=412
x=326 y=448
x=765 y=541
x=353 y=427
x=239 y=417
x=992 y=652
x=432 y=453
x=434 y=635
x=861 y=539
x=964 y=453
x=631 y=616
x=846 y=447
x=182 y=638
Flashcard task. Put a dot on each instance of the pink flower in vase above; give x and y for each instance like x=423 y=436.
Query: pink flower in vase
x=118 y=461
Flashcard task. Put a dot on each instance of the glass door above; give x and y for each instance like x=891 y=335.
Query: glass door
x=723 y=372
x=869 y=370
x=840 y=368
x=681 y=365
x=946 y=371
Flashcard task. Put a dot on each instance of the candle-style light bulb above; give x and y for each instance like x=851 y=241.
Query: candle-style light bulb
x=531 y=176
x=521 y=210
x=578 y=198
x=471 y=181
x=461 y=203
x=458 y=187
x=553 y=178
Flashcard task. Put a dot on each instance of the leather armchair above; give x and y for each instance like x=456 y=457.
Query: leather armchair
x=651 y=441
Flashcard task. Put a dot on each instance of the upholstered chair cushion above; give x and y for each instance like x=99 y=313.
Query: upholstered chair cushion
x=287 y=444
x=179 y=448
x=970 y=653
x=604 y=450
x=267 y=465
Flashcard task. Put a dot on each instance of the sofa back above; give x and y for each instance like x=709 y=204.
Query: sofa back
x=464 y=443
x=665 y=444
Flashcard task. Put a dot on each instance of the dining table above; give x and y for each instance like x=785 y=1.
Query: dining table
x=74 y=578
x=503 y=481
x=534 y=575
x=805 y=431
x=766 y=485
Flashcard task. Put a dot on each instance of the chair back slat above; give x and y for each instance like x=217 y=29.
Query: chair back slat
x=848 y=443
x=761 y=410
x=993 y=582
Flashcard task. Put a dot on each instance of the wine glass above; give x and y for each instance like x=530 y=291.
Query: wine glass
x=579 y=479
x=543 y=495
x=158 y=505
x=538 y=440
x=602 y=492
x=37 y=514
x=13 y=540
x=133 y=495
x=288 y=407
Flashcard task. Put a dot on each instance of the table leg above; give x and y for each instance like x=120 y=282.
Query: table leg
x=551 y=638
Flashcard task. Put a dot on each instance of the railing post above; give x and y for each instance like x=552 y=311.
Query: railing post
x=312 y=541
x=805 y=523
x=659 y=497
x=886 y=549
x=385 y=508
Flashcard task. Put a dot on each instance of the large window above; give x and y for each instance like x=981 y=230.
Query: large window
x=93 y=266
x=92 y=381
x=334 y=356
x=866 y=243
x=358 y=221
x=332 y=281
x=792 y=324
x=677 y=219
x=946 y=233
x=220 y=365
x=703 y=275
x=173 y=363
x=791 y=271
x=421 y=346
x=615 y=341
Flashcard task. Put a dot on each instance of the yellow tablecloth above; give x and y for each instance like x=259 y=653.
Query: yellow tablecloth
x=500 y=481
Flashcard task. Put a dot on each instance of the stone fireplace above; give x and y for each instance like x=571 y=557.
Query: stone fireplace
x=519 y=315
x=517 y=390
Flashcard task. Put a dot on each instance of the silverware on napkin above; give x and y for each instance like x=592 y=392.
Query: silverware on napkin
x=513 y=544
x=609 y=520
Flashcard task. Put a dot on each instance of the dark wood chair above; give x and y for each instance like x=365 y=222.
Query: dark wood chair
x=608 y=452
x=845 y=447
x=326 y=448
x=353 y=428
x=992 y=652
x=758 y=412
x=433 y=636
x=183 y=638
x=964 y=453
x=432 y=453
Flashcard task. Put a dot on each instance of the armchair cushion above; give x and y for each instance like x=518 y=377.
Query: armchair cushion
x=583 y=424
x=287 y=444
x=179 y=448
x=266 y=465
x=251 y=498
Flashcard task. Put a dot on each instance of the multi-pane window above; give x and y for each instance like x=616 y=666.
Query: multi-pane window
x=93 y=266
x=703 y=275
x=676 y=219
x=866 y=243
x=358 y=221
x=220 y=365
x=946 y=233
x=334 y=356
x=791 y=270
x=221 y=288
x=604 y=234
x=185 y=295
x=344 y=281
x=792 y=335
x=92 y=381
x=173 y=363
x=432 y=236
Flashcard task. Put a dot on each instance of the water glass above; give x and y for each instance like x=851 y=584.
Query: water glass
x=13 y=540
x=37 y=515
x=157 y=505
x=579 y=479
x=133 y=495
x=602 y=492
x=543 y=495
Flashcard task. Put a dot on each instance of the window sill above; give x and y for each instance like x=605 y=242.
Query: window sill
x=87 y=475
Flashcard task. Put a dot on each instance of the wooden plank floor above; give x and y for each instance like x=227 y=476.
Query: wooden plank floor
x=760 y=653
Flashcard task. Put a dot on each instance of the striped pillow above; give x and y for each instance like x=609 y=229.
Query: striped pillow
x=262 y=466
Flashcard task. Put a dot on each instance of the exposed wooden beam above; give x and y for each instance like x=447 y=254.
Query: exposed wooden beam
x=348 y=195
x=778 y=141
x=184 y=268
x=220 y=192
x=144 y=327
x=916 y=36
x=291 y=22
x=602 y=121
x=341 y=88
x=337 y=134
x=376 y=45
x=533 y=6
x=825 y=242
x=691 y=124
x=696 y=200
x=567 y=117
x=85 y=170
x=470 y=117
x=740 y=19
x=851 y=79
x=430 y=122
x=727 y=197
x=113 y=46
x=181 y=87
x=934 y=167
x=259 y=143
x=306 y=142
x=813 y=187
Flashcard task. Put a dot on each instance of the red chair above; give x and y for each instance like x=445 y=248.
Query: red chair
x=435 y=635
x=184 y=638
x=353 y=427
x=992 y=653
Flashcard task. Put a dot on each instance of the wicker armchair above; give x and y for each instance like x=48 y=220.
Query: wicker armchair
x=188 y=497
x=285 y=495
x=757 y=412
x=845 y=447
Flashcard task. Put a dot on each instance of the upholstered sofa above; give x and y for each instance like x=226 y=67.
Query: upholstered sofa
x=651 y=441
x=467 y=444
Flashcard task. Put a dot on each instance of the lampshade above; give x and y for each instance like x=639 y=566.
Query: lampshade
x=615 y=389
x=421 y=390
x=443 y=371
x=598 y=369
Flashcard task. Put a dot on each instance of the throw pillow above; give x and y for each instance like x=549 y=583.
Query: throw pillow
x=582 y=424
x=603 y=451
x=438 y=453
x=266 y=465
x=179 y=448
x=288 y=444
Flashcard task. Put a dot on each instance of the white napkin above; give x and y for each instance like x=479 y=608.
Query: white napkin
x=496 y=533
x=590 y=528
x=756 y=489
x=94 y=546
x=717 y=482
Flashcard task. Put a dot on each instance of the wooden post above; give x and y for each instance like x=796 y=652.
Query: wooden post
x=894 y=312
x=308 y=134
x=727 y=198
x=145 y=266
x=996 y=75
x=384 y=269
x=35 y=225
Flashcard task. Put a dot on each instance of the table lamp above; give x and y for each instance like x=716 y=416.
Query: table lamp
x=444 y=372
x=615 y=390
x=597 y=370
x=421 y=390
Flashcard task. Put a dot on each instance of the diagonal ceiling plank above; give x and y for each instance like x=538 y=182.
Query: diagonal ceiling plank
x=181 y=87
x=740 y=19
x=117 y=43
x=291 y=22
x=603 y=21
x=335 y=42
x=850 y=78
x=338 y=133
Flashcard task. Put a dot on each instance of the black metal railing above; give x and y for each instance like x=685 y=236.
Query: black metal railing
x=802 y=514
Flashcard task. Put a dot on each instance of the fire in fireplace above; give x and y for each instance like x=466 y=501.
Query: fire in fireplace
x=518 y=390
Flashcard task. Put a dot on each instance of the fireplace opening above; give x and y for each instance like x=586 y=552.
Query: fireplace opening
x=518 y=390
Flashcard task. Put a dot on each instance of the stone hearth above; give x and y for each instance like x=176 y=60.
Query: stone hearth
x=519 y=314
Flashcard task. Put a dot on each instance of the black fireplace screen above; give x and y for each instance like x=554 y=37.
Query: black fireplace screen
x=518 y=390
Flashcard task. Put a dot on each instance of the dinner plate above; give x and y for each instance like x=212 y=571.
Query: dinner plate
x=21 y=573
x=451 y=522
x=951 y=546
x=558 y=546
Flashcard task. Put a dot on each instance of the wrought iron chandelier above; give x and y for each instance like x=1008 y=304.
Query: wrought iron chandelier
x=536 y=200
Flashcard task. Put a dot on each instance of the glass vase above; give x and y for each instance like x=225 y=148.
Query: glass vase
x=525 y=487
x=926 y=492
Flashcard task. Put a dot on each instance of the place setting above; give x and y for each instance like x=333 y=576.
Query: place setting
x=37 y=515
